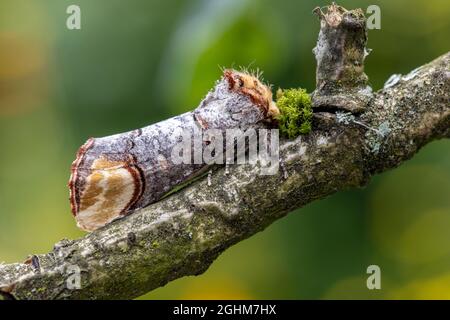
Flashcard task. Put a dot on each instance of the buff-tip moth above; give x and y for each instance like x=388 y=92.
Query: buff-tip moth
x=115 y=175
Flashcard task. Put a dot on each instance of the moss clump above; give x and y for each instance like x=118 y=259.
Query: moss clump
x=295 y=112
x=155 y=244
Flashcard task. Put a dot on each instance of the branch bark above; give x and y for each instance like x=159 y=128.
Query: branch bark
x=185 y=232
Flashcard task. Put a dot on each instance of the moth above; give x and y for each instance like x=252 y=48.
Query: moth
x=115 y=175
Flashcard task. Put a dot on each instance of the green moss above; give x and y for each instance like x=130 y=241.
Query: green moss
x=155 y=244
x=295 y=112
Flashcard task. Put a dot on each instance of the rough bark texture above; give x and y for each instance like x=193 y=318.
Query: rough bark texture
x=183 y=233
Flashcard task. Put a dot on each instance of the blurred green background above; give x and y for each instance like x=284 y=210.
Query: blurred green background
x=137 y=62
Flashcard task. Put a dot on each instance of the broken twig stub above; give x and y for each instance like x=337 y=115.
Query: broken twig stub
x=340 y=52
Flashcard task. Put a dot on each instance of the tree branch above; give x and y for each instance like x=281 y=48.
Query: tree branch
x=185 y=232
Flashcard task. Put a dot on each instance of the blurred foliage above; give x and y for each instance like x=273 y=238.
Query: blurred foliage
x=136 y=62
